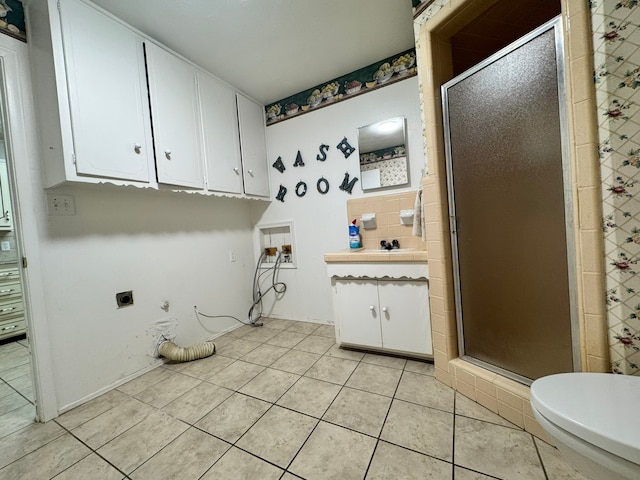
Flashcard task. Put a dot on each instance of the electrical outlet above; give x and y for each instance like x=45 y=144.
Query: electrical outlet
x=60 y=204
x=124 y=299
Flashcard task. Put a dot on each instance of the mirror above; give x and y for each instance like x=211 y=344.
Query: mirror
x=383 y=154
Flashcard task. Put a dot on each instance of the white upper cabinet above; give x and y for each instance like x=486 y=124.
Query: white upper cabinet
x=107 y=95
x=220 y=132
x=253 y=147
x=115 y=106
x=176 y=118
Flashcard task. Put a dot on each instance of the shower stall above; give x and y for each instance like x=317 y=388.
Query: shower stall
x=510 y=207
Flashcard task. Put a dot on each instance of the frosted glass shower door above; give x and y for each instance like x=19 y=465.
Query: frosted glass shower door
x=510 y=215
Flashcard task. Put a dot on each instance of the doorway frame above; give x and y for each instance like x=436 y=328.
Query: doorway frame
x=26 y=190
x=434 y=29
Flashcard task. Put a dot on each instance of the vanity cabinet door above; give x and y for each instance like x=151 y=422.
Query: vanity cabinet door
x=404 y=316
x=358 y=313
x=107 y=95
x=253 y=146
x=221 y=137
x=176 y=118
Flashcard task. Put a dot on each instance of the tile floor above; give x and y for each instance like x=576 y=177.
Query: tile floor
x=17 y=409
x=281 y=402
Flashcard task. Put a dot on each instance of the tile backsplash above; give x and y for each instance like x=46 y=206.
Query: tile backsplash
x=388 y=225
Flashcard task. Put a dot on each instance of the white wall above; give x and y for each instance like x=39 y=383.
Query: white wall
x=163 y=246
x=320 y=221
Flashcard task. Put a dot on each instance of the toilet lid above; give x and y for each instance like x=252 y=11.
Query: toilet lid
x=600 y=408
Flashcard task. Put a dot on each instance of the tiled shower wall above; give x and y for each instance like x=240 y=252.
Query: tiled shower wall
x=388 y=224
x=616 y=40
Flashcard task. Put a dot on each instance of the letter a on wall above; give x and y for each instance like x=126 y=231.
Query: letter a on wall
x=298 y=162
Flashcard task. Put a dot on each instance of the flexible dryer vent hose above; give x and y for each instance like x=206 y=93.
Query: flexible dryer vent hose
x=186 y=354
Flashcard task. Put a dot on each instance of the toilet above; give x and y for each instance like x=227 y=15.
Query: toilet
x=594 y=419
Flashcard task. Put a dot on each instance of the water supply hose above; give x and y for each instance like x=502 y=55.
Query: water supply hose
x=173 y=352
x=278 y=287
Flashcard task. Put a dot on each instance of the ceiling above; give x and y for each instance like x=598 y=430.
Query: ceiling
x=271 y=49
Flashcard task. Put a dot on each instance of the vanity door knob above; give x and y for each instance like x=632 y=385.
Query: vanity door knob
x=137 y=148
x=385 y=309
x=235 y=169
x=250 y=172
x=167 y=153
x=372 y=308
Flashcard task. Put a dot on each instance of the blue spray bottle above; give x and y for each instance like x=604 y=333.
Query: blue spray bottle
x=354 y=235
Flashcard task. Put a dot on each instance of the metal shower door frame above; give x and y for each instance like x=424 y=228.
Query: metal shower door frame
x=556 y=25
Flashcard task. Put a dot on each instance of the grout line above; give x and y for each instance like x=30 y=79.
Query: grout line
x=393 y=397
x=453 y=440
x=92 y=450
x=535 y=444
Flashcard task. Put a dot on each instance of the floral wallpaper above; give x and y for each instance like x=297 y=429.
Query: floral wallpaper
x=374 y=76
x=12 y=19
x=616 y=39
x=392 y=172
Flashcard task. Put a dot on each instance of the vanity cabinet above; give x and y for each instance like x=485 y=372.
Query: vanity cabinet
x=12 y=322
x=176 y=119
x=385 y=314
x=96 y=109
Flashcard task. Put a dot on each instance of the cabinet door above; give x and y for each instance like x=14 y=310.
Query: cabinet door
x=220 y=134
x=107 y=95
x=404 y=316
x=357 y=312
x=6 y=212
x=253 y=147
x=176 y=118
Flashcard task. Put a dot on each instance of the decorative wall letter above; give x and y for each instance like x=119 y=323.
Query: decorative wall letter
x=278 y=165
x=347 y=185
x=281 y=193
x=322 y=185
x=301 y=189
x=323 y=153
x=345 y=148
x=298 y=162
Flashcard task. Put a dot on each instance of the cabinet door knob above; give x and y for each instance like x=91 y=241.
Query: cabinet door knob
x=250 y=172
x=167 y=153
x=385 y=309
x=137 y=148
x=237 y=170
x=372 y=308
